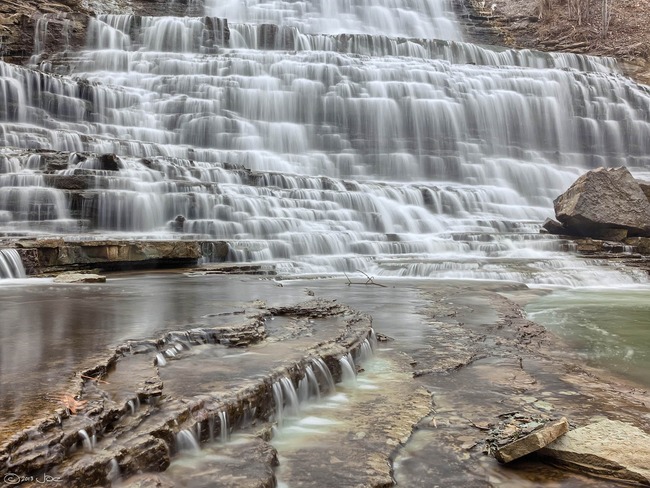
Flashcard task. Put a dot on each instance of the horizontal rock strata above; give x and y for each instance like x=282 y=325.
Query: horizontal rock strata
x=136 y=408
x=608 y=448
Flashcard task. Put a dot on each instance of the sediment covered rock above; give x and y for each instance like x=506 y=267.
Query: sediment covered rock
x=604 y=203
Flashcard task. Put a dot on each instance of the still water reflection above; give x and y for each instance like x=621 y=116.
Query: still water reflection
x=49 y=331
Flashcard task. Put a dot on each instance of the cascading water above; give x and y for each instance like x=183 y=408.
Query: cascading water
x=324 y=136
x=225 y=430
x=326 y=376
x=186 y=440
x=11 y=266
x=348 y=370
x=87 y=440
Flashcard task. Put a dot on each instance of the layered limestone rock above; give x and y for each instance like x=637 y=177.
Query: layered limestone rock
x=135 y=409
x=604 y=203
x=608 y=448
x=51 y=255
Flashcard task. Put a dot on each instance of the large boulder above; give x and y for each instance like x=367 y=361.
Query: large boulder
x=608 y=448
x=645 y=186
x=605 y=203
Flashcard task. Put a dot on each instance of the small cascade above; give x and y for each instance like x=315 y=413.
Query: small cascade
x=225 y=429
x=160 y=359
x=278 y=399
x=211 y=427
x=365 y=352
x=313 y=390
x=291 y=401
x=133 y=405
x=186 y=440
x=308 y=387
x=114 y=474
x=348 y=370
x=88 y=441
x=327 y=381
x=373 y=339
x=11 y=266
x=303 y=390
x=287 y=403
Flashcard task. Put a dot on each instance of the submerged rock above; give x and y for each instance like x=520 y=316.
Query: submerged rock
x=80 y=278
x=604 y=203
x=608 y=448
x=532 y=442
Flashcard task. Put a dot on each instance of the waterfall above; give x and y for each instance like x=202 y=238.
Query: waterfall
x=114 y=474
x=365 y=352
x=348 y=370
x=225 y=430
x=87 y=440
x=186 y=440
x=11 y=266
x=323 y=137
x=326 y=376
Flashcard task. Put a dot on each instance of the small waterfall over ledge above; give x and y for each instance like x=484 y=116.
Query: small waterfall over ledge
x=323 y=138
x=11 y=266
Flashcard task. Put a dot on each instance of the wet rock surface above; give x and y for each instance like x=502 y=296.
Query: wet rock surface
x=148 y=399
x=248 y=463
x=487 y=370
x=608 y=448
x=518 y=377
x=56 y=254
x=80 y=278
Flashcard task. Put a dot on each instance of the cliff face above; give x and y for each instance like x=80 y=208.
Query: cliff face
x=574 y=26
x=18 y=20
x=548 y=25
x=67 y=21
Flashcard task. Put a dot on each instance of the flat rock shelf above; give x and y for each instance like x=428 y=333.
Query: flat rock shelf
x=149 y=399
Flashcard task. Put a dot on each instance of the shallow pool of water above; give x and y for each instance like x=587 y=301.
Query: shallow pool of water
x=608 y=328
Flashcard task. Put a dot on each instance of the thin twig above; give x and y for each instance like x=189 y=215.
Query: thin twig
x=371 y=280
x=94 y=379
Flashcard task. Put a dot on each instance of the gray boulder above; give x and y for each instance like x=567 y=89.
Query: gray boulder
x=608 y=448
x=645 y=186
x=604 y=203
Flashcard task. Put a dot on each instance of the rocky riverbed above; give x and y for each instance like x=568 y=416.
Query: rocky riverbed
x=452 y=360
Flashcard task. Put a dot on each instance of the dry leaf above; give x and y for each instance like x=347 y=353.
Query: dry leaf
x=71 y=403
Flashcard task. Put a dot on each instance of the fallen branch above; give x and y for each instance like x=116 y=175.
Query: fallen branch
x=369 y=281
x=94 y=379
